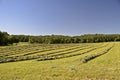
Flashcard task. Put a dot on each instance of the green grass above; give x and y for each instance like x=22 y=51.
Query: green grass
x=104 y=67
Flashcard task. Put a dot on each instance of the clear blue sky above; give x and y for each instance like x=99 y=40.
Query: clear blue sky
x=61 y=17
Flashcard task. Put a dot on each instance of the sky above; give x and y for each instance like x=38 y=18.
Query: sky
x=60 y=17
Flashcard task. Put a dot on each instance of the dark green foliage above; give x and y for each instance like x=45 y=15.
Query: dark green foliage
x=88 y=38
x=6 y=39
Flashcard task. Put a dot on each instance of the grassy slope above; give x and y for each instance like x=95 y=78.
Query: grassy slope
x=105 y=67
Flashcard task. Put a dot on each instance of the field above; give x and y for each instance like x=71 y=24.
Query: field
x=85 y=61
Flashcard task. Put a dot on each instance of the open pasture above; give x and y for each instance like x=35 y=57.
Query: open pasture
x=85 y=61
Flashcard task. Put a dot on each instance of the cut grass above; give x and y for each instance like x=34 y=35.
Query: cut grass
x=105 y=67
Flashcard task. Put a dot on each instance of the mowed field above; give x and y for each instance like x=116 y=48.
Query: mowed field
x=85 y=61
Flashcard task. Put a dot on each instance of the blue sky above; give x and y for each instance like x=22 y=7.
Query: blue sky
x=60 y=17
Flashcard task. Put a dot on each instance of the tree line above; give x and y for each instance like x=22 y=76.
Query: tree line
x=7 y=39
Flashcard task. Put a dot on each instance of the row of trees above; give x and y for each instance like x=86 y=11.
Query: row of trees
x=6 y=39
x=87 y=38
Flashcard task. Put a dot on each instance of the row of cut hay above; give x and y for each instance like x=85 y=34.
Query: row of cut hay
x=59 y=56
x=26 y=57
x=26 y=51
x=93 y=56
